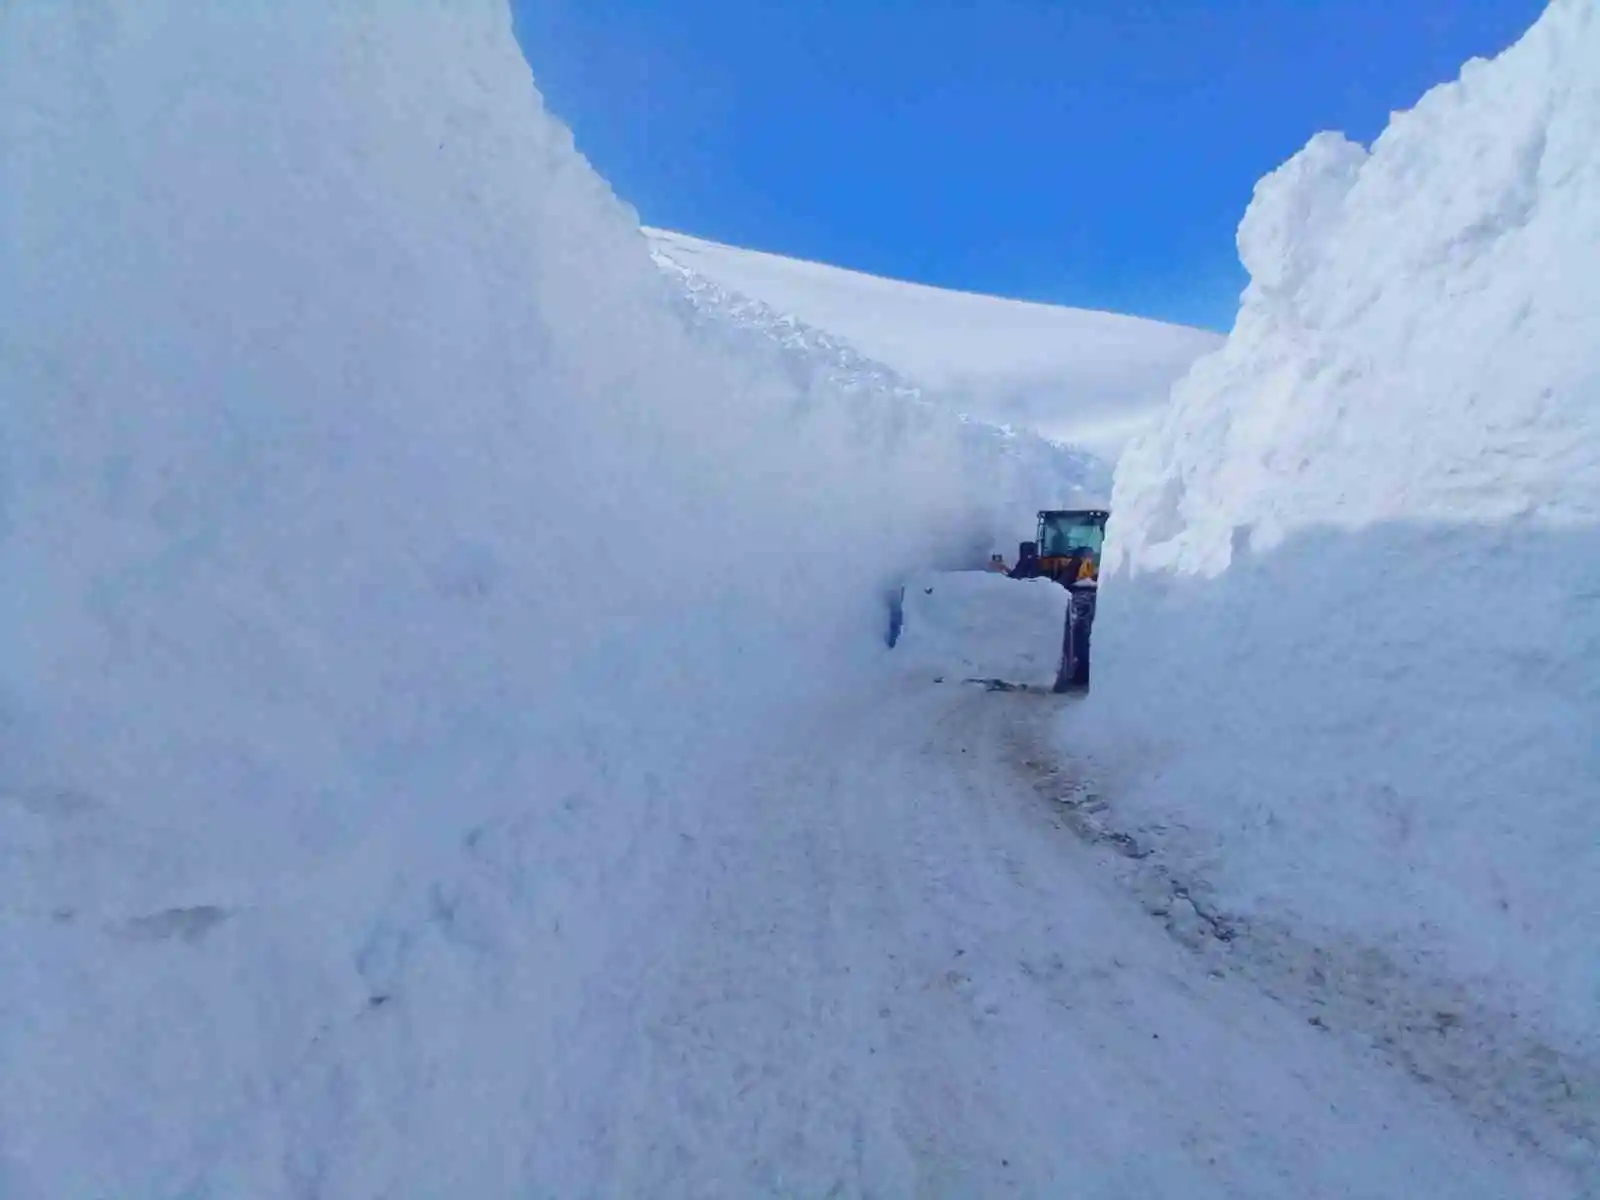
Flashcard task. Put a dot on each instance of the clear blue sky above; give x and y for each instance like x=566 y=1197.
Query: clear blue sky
x=1096 y=153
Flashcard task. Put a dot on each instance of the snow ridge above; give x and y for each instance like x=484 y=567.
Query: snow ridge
x=813 y=357
x=842 y=365
x=1077 y=376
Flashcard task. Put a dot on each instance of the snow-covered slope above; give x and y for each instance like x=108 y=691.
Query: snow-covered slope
x=1088 y=378
x=813 y=359
x=1351 y=631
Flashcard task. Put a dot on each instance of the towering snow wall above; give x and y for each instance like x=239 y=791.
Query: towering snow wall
x=387 y=563
x=1353 y=616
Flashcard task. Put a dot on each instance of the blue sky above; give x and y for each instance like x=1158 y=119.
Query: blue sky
x=1096 y=153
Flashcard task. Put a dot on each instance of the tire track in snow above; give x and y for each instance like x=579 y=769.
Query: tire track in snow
x=887 y=977
x=1414 y=1019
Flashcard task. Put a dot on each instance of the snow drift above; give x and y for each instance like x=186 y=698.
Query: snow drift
x=387 y=563
x=1078 y=376
x=1353 y=606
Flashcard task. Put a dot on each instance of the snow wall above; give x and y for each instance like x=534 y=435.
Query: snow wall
x=1351 y=629
x=388 y=563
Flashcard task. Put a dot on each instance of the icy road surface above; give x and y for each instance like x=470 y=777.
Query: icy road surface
x=894 y=973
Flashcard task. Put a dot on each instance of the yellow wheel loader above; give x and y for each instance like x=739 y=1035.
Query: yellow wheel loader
x=1067 y=550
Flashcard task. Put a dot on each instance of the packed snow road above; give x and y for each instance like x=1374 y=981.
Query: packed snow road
x=891 y=972
x=848 y=949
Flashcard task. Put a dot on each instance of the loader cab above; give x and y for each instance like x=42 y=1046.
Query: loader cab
x=1070 y=542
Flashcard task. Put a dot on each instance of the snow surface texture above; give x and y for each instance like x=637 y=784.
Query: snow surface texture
x=1348 y=651
x=1085 y=378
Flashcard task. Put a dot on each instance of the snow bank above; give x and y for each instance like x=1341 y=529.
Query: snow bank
x=388 y=566
x=1351 y=632
x=978 y=625
x=1082 y=377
